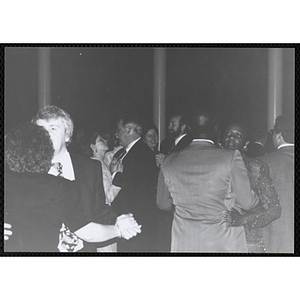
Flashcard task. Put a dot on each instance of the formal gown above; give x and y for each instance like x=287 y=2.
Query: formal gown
x=270 y=210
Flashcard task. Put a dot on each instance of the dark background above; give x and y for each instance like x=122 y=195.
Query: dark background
x=96 y=84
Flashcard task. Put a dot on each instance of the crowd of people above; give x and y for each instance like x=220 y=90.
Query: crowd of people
x=204 y=189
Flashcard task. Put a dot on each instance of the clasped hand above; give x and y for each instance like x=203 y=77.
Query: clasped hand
x=128 y=226
x=159 y=159
x=234 y=218
x=7 y=232
x=115 y=166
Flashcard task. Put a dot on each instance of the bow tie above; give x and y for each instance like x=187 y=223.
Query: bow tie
x=58 y=167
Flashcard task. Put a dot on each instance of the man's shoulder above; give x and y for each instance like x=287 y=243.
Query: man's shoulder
x=79 y=159
x=140 y=154
x=140 y=147
x=208 y=151
x=212 y=149
x=166 y=145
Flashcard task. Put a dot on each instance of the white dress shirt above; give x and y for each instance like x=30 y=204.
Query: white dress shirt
x=203 y=140
x=285 y=145
x=67 y=167
x=127 y=150
x=179 y=139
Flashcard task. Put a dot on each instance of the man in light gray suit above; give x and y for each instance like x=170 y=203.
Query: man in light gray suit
x=279 y=235
x=202 y=181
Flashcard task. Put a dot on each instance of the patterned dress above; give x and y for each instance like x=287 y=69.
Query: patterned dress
x=270 y=210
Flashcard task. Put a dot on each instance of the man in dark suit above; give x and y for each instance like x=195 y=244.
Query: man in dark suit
x=136 y=174
x=178 y=129
x=86 y=172
x=279 y=235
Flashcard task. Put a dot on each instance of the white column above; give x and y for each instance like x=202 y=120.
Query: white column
x=44 y=77
x=275 y=86
x=159 y=91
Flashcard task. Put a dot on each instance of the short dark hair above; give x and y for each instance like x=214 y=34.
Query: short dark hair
x=285 y=125
x=203 y=123
x=243 y=126
x=184 y=120
x=53 y=112
x=28 y=148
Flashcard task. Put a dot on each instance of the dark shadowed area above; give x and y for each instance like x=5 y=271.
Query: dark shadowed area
x=96 y=84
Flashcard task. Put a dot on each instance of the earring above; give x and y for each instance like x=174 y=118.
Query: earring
x=245 y=148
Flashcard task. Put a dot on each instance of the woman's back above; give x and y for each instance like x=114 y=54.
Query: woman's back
x=37 y=205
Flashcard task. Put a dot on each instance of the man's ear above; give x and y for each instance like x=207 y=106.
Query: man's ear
x=67 y=139
x=277 y=139
x=93 y=147
x=280 y=138
x=183 y=128
x=277 y=136
x=128 y=129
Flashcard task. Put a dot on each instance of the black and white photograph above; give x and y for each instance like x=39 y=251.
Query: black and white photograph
x=145 y=149
x=148 y=149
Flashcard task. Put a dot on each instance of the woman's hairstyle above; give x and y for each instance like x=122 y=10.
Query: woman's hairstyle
x=53 y=112
x=148 y=127
x=28 y=148
x=90 y=138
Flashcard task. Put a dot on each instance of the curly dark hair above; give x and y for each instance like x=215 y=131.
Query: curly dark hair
x=28 y=148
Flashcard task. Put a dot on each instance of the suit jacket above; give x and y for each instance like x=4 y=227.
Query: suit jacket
x=137 y=195
x=279 y=235
x=183 y=143
x=88 y=174
x=202 y=181
x=166 y=145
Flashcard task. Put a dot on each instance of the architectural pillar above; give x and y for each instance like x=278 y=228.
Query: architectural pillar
x=275 y=85
x=44 y=77
x=159 y=93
